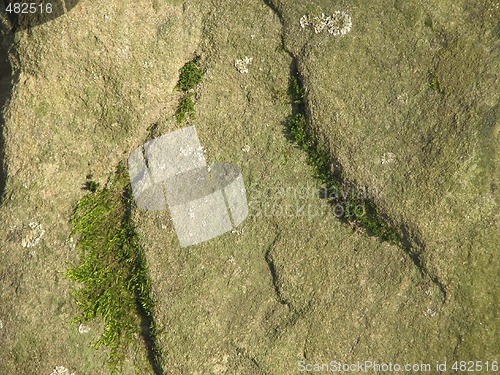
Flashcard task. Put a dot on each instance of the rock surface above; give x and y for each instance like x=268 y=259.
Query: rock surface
x=405 y=103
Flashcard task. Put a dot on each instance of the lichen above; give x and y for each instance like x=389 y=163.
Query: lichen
x=339 y=23
x=242 y=65
x=33 y=235
x=388 y=158
x=83 y=328
x=61 y=370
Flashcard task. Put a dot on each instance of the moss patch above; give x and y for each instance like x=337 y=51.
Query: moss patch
x=433 y=82
x=112 y=269
x=357 y=209
x=185 y=109
x=190 y=76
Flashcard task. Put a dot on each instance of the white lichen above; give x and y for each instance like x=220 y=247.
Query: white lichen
x=319 y=23
x=246 y=148
x=82 y=328
x=388 y=158
x=61 y=370
x=71 y=243
x=147 y=64
x=304 y=21
x=242 y=65
x=429 y=313
x=339 y=23
x=403 y=98
x=33 y=235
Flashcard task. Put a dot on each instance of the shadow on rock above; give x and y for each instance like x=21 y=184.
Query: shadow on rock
x=7 y=80
x=24 y=15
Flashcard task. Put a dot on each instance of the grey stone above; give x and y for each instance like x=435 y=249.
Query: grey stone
x=228 y=178
x=203 y=205
x=146 y=195
x=188 y=186
x=201 y=219
x=174 y=153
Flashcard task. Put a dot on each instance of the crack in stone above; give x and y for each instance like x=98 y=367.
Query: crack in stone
x=295 y=314
x=273 y=271
x=407 y=245
x=459 y=342
x=415 y=256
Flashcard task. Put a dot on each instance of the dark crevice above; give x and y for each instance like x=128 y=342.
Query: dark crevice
x=8 y=78
x=26 y=18
x=374 y=222
x=459 y=342
x=149 y=336
x=414 y=248
x=295 y=313
x=273 y=271
x=143 y=299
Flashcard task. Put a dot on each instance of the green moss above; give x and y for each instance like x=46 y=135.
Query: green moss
x=190 y=76
x=433 y=83
x=428 y=22
x=186 y=108
x=358 y=211
x=296 y=91
x=112 y=269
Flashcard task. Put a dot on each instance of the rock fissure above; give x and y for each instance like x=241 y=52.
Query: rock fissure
x=302 y=107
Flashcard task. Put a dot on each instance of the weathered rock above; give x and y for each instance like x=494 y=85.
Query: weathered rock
x=417 y=82
x=406 y=104
x=85 y=88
